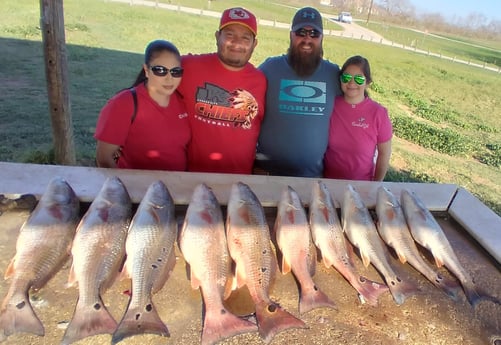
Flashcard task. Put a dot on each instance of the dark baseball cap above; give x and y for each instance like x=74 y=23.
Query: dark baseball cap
x=307 y=16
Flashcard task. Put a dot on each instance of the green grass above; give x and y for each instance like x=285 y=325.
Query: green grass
x=481 y=52
x=446 y=114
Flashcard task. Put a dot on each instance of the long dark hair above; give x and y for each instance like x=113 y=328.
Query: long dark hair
x=151 y=51
x=363 y=63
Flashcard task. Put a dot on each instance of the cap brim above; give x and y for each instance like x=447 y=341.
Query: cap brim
x=303 y=25
x=239 y=23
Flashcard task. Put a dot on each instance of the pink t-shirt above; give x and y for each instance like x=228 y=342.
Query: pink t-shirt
x=225 y=110
x=355 y=131
x=156 y=140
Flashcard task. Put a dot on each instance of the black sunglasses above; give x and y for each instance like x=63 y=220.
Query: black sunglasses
x=313 y=33
x=161 y=71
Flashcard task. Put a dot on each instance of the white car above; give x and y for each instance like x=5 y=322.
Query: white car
x=345 y=17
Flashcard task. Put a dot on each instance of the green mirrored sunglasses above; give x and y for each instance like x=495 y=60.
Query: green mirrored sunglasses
x=359 y=79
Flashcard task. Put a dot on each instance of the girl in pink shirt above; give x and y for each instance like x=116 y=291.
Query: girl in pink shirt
x=360 y=131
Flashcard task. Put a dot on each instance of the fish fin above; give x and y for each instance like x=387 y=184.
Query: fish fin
x=195 y=282
x=438 y=261
x=228 y=287
x=365 y=259
x=401 y=257
x=273 y=319
x=89 y=320
x=141 y=320
x=369 y=290
x=18 y=316
x=327 y=263
x=314 y=298
x=401 y=290
x=10 y=269
x=286 y=267
x=220 y=324
x=240 y=278
x=72 y=277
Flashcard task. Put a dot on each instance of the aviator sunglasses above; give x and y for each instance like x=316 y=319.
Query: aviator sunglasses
x=313 y=33
x=161 y=71
x=359 y=79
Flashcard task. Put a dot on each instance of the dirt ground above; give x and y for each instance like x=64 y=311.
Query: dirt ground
x=429 y=318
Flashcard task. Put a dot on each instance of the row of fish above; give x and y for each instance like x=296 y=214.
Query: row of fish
x=108 y=234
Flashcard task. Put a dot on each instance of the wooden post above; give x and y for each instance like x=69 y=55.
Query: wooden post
x=56 y=72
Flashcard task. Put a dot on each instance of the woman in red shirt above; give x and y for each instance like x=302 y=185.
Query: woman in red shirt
x=146 y=126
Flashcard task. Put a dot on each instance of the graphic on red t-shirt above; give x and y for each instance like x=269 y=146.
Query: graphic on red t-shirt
x=223 y=108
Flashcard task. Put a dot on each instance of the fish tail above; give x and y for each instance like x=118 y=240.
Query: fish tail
x=140 y=320
x=221 y=324
x=272 y=319
x=370 y=290
x=475 y=295
x=448 y=286
x=401 y=290
x=89 y=320
x=314 y=298
x=18 y=316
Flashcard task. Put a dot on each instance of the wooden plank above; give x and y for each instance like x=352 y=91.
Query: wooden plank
x=18 y=178
x=56 y=71
x=480 y=221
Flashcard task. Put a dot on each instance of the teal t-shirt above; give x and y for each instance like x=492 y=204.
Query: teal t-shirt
x=294 y=133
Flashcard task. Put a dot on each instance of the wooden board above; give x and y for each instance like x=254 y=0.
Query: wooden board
x=480 y=221
x=483 y=224
x=18 y=178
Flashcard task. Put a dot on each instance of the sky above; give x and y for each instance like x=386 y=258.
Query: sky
x=491 y=9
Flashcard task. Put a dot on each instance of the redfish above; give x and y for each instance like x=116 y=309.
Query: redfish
x=428 y=233
x=150 y=260
x=249 y=244
x=298 y=250
x=329 y=238
x=394 y=231
x=98 y=254
x=202 y=241
x=362 y=233
x=42 y=247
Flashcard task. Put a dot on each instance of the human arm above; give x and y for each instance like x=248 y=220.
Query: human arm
x=107 y=154
x=383 y=160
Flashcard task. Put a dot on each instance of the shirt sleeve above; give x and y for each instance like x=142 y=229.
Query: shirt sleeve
x=385 y=131
x=115 y=119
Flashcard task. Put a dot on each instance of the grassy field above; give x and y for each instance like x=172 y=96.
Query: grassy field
x=446 y=115
x=481 y=52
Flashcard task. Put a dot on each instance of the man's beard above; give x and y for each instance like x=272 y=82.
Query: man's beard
x=304 y=64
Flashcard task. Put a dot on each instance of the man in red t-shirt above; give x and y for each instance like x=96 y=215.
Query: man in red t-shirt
x=224 y=96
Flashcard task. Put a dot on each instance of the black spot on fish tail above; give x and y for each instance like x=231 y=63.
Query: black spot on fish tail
x=21 y=305
x=97 y=306
x=149 y=307
x=272 y=308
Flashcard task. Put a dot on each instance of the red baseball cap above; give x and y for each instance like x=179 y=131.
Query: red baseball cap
x=238 y=15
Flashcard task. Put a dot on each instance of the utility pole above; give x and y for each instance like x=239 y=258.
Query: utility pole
x=56 y=72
